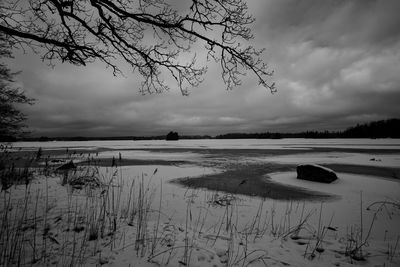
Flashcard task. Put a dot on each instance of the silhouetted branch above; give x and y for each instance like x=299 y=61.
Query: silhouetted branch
x=151 y=36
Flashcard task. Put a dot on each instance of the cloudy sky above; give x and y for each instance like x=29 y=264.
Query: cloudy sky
x=337 y=63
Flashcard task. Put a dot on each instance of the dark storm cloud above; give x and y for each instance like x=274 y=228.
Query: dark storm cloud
x=336 y=60
x=336 y=63
x=335 y=23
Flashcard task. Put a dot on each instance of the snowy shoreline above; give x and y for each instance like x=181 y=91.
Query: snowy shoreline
x=131 y=213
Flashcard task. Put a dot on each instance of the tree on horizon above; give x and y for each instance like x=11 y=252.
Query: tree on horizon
x=172 y=136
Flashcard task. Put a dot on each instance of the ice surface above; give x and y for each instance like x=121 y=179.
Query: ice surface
x=351 y=188
x=150 y=155
x=289 y=143
x=365 y=159
x=355 y=193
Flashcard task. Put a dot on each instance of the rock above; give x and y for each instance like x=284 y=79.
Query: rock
x=68 y=166
x=316 y=173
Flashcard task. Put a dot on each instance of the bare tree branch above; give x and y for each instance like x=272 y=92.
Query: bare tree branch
x=151 y=36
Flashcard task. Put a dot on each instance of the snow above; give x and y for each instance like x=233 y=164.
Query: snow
x=364 y=159
x=195 y=230
x=351 y=189
x=287 y=143
x=150 y=155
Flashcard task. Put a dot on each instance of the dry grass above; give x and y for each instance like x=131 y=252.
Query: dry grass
x=103 y=210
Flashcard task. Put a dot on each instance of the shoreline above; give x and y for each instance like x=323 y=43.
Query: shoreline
x=149 y=200
x=240 y=175
x=251 y=180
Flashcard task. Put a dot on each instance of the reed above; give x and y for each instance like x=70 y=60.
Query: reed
x=104 y=210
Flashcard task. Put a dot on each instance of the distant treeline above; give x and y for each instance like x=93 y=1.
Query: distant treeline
x=164 y=137
x=377 y=129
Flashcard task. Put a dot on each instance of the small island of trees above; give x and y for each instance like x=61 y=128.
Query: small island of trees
x=172 y=136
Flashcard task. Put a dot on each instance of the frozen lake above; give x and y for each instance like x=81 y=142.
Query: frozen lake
x=289 y=143
x=364 y=152
x=368 y=171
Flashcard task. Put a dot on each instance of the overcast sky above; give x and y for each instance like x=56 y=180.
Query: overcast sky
x=337 y=63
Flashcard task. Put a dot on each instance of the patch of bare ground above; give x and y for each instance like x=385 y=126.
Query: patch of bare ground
x=252 y=180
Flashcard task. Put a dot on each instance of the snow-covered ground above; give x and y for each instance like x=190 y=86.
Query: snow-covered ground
x=288 y=143
x=150 y=155
x=196 y=227
x=261 y=230
x=365 y=159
